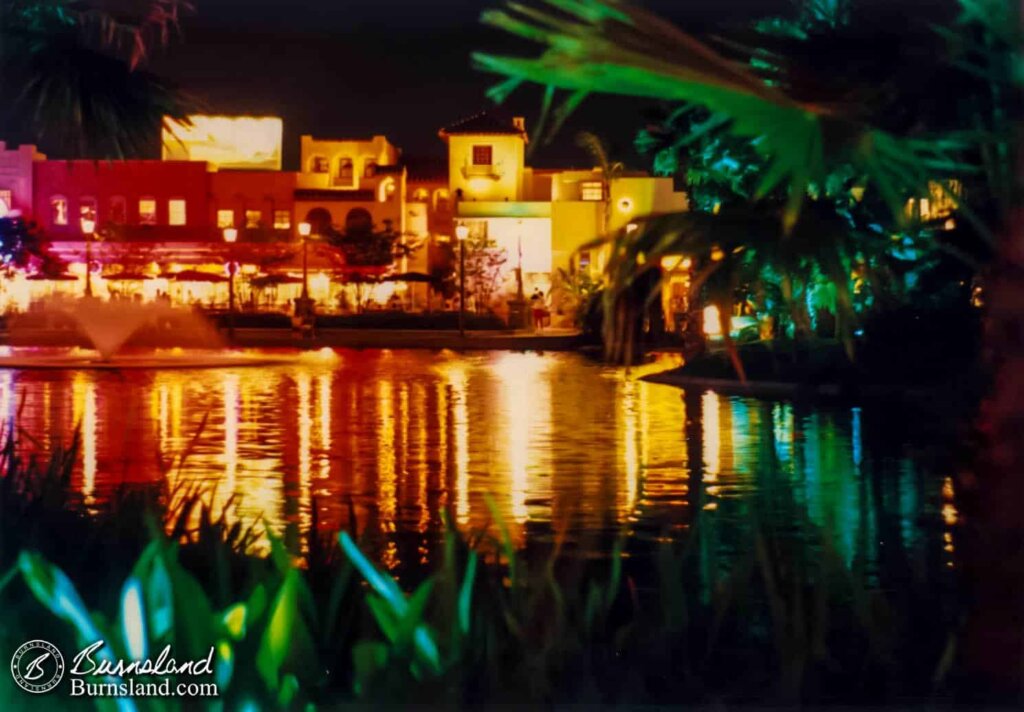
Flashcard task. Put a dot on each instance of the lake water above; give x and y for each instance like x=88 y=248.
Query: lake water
x=562 y=446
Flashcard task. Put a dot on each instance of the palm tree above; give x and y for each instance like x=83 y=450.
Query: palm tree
x=75 y=72
x=894 y=139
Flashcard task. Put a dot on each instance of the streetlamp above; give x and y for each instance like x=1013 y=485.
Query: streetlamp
x=304 y=230
x=230 y=235
x=88 y=233
x=462 y=232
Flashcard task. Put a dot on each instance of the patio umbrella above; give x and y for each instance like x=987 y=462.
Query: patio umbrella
x=127 y=277
x=52 y=277
x=269 y=280
x=194 y=275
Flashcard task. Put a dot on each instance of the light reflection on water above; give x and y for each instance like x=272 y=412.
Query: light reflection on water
x=560 y=444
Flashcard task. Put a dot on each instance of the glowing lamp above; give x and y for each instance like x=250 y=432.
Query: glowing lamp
x=461 y=232
x=305 y=228
x=625 y=204
x=712 y=321
x=717 y=255
x=88 y=226
x=230 y=234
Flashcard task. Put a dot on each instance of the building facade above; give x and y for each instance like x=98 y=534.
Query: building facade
x=161 y=225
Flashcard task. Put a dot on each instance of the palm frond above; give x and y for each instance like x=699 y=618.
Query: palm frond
x=608 y=46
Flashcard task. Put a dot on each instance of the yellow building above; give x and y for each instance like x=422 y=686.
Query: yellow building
x=540 y=218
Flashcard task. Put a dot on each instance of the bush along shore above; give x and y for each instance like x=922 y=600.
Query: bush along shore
x=482 y=624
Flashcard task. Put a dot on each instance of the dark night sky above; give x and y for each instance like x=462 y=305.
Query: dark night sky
x=397 y=67
x=353 y=68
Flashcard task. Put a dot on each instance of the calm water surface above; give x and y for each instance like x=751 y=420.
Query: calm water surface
x=560 y=444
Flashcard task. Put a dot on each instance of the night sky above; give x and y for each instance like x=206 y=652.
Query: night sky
x=354 y=68
x=347 y=68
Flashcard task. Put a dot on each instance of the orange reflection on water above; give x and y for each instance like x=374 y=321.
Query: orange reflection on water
x=559 y=443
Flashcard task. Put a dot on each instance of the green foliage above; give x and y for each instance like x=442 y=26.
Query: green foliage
x=616 y=48
x=805 y=114
x=372 y=247
x=486 y=624
x=21 y=245
x=74 y=69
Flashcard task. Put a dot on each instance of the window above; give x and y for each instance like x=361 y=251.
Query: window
x=282 y=220
x=225 y=218
x=420 y=195
x=253 y=218
x=118 y=210
x=591 y=190
x=87 y=208
x=147 y=211
x=176 y=211
x=441 y=200
x=482 y=155
x=386 y=189
x=345 y=168
x=369 y=168
x=59 y=210
x=320 y=164
x=5 y=202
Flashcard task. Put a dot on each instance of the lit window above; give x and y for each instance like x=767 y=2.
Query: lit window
x=592 y=190
x=176 y=212
x=87 y=208
x=420 y=196
x=118 y=210
x=59 y=210
x=282 y=220
x=253 y=218
x=386 y=189
x=225 y=218
x=441 y=200
x=482 y=155
x=370 y=168
x=147 y=211
x=5 y=202
x=320 y=164
x=345 y=168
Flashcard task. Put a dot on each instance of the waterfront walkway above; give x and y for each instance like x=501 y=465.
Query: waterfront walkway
x=547 y=340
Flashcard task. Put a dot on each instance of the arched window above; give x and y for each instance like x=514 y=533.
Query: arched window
x=118 y=210
x=369 y=168
x=87 y=208
x=345 y=170
x=441 y=200
x=319 y=164
x=358 y=221
x=386 y=189
x=58 y=210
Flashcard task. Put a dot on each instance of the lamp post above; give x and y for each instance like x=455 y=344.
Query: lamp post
x=230 y=235
x=461 y=233
x=88 y=233
x=304 y=230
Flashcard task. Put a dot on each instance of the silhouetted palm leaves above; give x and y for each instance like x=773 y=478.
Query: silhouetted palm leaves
x=74 y=71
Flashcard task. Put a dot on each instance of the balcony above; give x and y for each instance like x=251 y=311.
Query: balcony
x=493 y=170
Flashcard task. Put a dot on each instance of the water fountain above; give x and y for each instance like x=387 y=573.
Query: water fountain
x=118 y=334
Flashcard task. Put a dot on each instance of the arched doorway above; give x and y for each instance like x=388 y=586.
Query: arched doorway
x=319 y=220
x=358 y=221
